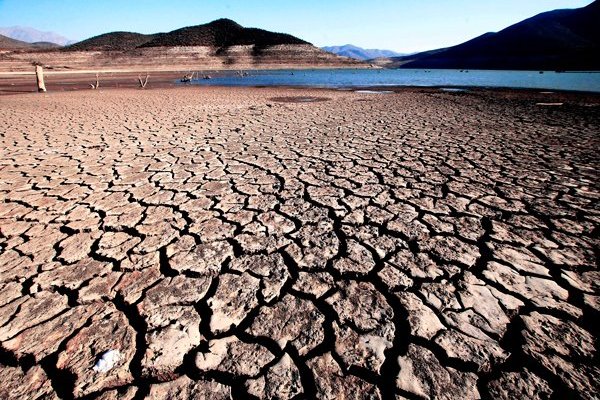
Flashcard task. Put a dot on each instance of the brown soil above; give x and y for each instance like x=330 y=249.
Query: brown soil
x=206 y=242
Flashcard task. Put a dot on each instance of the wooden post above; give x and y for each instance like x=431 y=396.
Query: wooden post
x=39 y=74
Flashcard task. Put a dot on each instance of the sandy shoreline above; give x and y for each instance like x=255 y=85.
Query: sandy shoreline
x=298 y=242
x=66 y=81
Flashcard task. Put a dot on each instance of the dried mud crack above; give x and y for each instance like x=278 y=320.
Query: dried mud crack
x=261 y=243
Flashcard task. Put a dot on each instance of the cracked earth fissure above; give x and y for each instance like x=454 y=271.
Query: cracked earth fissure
x=414 y=245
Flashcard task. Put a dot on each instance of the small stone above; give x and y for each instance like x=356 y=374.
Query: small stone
x=276 y=224
x=212 y=229
x=107 y=361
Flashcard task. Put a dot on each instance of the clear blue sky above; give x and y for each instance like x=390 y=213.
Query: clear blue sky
x=401 y=25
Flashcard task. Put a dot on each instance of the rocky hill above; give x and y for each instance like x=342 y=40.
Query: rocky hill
x=114 y=41
x=221 y=33
x=221 y=44
x=7 y=43
x=555 y=40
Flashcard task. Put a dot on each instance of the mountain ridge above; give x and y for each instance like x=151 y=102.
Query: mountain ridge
x=220 y=33
x=32 y=35
x=220 y=44
x=111 y=41
x=359 y=53
x=8 y=43
x=566 y=39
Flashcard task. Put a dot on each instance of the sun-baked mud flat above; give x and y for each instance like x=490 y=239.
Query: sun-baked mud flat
x=181 y=243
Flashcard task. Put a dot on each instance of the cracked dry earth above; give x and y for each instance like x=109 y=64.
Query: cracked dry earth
x=232 y=243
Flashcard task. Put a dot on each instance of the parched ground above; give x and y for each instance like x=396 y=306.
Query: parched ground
x=216 y=243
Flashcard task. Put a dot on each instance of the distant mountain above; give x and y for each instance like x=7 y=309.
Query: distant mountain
x=30 y=35
x=555 y=40
x=221 y=33
x=7 y=43
x=359 y=53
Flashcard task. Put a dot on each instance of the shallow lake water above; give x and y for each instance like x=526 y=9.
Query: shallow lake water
x=352 y=78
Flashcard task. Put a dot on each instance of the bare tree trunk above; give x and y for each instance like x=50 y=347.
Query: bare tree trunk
x=187 y=78
x=97 y=85
x=144 y=82
x=39 y=74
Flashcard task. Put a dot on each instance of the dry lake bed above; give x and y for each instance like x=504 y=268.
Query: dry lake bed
x=217 y=243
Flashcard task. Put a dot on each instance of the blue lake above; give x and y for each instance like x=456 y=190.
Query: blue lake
x=352 y=78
